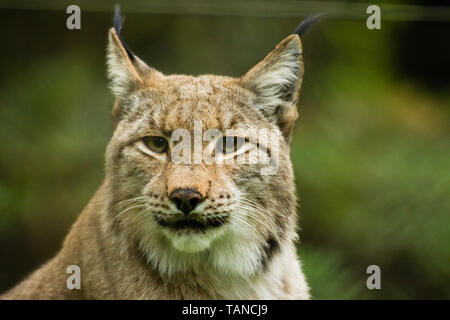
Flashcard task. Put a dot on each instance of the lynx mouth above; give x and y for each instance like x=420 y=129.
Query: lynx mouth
x=192 y=223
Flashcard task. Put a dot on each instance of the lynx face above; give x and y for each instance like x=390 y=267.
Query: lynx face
x=223 y=214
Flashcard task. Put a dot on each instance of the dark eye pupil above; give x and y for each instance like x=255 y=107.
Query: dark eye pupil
x=158 y=142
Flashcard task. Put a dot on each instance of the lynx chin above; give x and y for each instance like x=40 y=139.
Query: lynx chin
x=157 y=229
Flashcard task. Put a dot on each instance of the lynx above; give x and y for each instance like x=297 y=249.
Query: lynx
x=160 y=230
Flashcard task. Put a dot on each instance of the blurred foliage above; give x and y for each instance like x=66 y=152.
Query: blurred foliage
x=370 y=152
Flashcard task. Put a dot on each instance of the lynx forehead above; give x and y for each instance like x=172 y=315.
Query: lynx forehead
x=162 y=229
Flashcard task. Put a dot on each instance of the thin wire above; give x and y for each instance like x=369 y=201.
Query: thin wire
x=246 y=8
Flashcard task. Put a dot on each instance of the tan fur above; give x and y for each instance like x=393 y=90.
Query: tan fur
x=124 y=254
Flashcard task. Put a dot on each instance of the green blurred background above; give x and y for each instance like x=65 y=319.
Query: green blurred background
x=370 y=152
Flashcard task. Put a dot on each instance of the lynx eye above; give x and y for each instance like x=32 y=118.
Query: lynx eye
x=156 y=144
x=230 y=144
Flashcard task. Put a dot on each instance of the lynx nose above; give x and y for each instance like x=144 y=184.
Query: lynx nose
x=185 y=199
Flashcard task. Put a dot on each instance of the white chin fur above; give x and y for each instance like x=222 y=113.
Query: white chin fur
x=190 y=242
x=222 y=250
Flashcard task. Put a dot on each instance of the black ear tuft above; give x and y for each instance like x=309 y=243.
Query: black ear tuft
x=118 y=25
x=118 y=20
x=305 y=24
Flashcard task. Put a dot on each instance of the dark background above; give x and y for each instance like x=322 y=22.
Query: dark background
x=370 y=151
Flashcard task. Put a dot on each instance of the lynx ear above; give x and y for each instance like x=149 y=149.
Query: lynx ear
x=276 y=81
x=125 y=70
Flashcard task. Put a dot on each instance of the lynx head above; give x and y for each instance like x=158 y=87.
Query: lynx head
x=222 y=215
